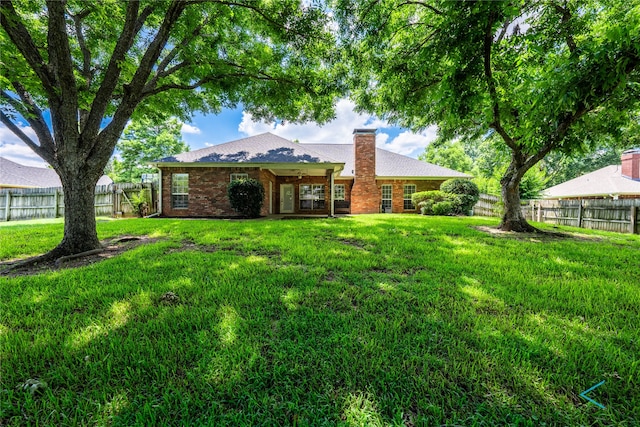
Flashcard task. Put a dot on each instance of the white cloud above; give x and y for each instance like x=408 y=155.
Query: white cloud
x=187 y=128
x=12 y=147
x=411 y=144
x=340 y=130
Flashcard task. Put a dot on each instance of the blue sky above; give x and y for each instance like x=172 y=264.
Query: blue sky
x=207 y=130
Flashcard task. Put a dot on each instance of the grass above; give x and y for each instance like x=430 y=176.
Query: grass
x=368 y=320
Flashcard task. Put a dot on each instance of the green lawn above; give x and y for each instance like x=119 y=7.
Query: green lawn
x=368 y=320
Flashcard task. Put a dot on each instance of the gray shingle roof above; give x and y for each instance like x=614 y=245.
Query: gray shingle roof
x=604 y=182
x=263 y=148
x=269 y=148
x=388 y=164
x=13 y=174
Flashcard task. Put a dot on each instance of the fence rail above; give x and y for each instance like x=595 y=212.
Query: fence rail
x=33 y=203
x=622 y=216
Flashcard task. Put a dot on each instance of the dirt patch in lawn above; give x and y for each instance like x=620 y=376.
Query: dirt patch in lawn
x=538 y=236
x=111 y=248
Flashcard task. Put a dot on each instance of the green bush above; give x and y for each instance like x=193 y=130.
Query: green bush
x=443 y=208
x=467 y=192
x=141 y=203
x=425 y=200
x=246 y=197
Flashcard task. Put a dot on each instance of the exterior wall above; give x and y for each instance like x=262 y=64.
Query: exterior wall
x=631 y=165
x=207 y=191
x=296 y=188
x=266 y=177
x=397 y=192
x=365 y=197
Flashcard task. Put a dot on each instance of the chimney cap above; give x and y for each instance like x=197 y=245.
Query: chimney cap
x=632 y=151
x=365 y=131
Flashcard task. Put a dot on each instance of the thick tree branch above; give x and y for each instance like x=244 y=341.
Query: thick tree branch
x=86 y=53
x=19 y=35
x=33 y=115
x=133 y=92
x=497 y=122
x=64 y=114
x=20 y=134
x=565 y=15
x=132 y=25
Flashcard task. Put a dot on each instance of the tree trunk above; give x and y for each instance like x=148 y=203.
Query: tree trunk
x=80 y=233
x=512 y=219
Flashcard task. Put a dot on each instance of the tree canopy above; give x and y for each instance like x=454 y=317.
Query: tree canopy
x=143 y=142
x=543 y=76
x=91 y=66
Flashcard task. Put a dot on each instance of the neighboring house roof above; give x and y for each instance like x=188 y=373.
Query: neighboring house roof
x=605 y=182
x=269 y=148
x=263 y=148
x=388 y=164
x=13 y=174
x=16 y=175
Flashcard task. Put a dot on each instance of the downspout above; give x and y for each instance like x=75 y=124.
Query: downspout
x=159 y=191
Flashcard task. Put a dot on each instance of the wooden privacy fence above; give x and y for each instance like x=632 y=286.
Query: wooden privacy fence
x=110 y=200
x=621 y=215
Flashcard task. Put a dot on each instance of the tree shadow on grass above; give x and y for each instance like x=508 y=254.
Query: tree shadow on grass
x=270 y=333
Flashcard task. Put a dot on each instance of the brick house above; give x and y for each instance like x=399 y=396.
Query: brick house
x=314 y=179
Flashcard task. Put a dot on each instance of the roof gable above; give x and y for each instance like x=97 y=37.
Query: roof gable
x=263 y=148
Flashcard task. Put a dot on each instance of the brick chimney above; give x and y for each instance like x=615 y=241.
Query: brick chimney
x=365 y=194
x=631 y=164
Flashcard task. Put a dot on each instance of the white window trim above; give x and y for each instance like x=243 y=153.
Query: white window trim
x=404 y=196
x=390 y=199
x=174 y=193
x=344 y=195
x=238 y=176
x=313 y=197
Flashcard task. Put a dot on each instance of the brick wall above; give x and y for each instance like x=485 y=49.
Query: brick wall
x=365 y=197
x=208 y=191
x=631 y=165
x=397 y=191
x=296 y=188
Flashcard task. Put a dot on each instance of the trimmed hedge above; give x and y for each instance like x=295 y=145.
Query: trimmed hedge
x=246 y=197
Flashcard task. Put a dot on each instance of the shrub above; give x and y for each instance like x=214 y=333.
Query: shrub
x=246 y=197
x=443 y=208
x=467 y=192
x=141 y=202
x=425 y=200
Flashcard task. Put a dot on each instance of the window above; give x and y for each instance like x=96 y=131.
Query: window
x=387 y=191
x=238 y=176
x=311 y=196
x=180 y=190
x=409 y=189
x=338 y=192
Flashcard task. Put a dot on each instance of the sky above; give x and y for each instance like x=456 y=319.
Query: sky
x=208 y=130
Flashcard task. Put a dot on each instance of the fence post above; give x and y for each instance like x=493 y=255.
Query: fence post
x=540 y=211
x=634 y=219
x=7 y=206
x=580 y=214
x=55 y=203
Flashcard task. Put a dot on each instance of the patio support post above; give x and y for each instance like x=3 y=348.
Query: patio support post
x=331 y=192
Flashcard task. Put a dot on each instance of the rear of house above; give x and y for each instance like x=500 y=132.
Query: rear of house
x=313 y=179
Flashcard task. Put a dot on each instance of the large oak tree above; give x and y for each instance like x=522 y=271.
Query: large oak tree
x=92 y=65
x=543 y=75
